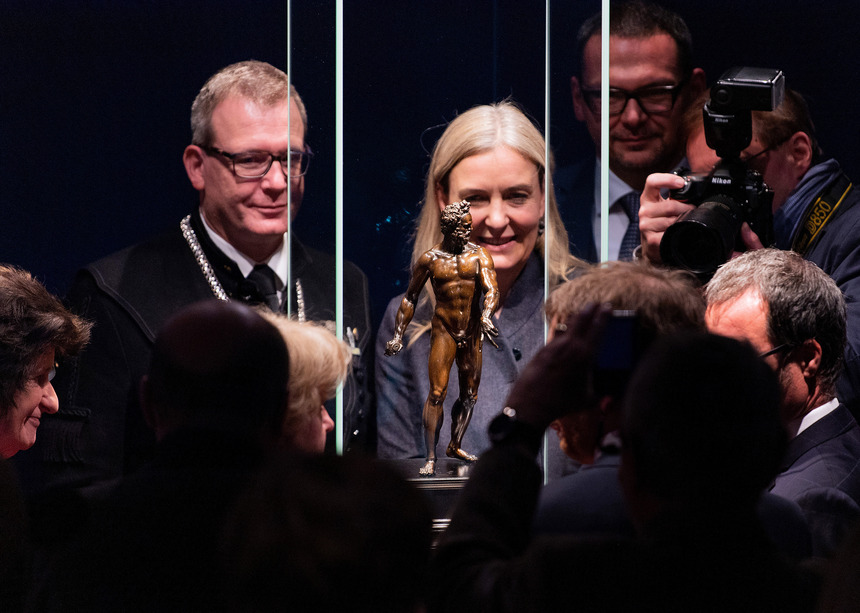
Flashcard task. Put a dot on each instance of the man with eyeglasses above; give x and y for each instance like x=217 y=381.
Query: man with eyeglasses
x=651 y=83
x=816 y=209
x=794 y=316
x=247 y=159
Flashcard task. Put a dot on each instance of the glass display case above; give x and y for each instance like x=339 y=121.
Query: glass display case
x=380 y=80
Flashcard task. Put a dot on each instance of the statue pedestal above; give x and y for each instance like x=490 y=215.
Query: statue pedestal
x=441 y=489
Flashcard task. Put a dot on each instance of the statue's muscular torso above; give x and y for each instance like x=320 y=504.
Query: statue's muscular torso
x=457 y=287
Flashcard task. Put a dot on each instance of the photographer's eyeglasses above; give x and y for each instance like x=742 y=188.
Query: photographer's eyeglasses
x=778 y=349
x=653 y=100
x=758 y=155
x=255 y=164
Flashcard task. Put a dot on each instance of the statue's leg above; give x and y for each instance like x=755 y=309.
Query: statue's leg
x=469 y=371
x=442 y=352
x=433 y=417
x=461 y=415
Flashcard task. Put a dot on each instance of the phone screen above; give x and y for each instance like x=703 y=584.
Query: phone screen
x=620 y=348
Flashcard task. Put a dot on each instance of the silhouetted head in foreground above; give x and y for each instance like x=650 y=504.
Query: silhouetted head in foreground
x=701 y=427
x=328 y=533
x=217 y=365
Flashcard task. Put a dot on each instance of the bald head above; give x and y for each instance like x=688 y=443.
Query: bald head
x=217 y=365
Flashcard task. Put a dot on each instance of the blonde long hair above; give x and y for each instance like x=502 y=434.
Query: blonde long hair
x=483 y=128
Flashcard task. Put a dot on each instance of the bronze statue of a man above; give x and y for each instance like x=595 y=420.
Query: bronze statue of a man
x=459 y=271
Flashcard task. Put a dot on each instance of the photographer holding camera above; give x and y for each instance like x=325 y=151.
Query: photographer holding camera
x=815 y=207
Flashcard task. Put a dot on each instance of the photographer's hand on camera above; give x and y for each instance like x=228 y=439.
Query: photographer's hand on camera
x=750 y=239
x=558 y=379
x=657 y=213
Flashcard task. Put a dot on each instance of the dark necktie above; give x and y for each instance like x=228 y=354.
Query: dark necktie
x=263 y=278
x=630 y=204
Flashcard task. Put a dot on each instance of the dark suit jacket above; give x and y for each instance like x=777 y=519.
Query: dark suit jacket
x=591 y=502
x=486 y=560
x=821 y=472
x=99 y=432
x=574 y=195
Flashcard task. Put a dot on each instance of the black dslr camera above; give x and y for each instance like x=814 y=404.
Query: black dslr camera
x=730 y=194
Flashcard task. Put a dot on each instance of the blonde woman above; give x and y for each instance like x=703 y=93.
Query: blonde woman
x=493 y=157
x=319 y=363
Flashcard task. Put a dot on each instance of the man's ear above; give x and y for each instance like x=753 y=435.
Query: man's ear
x=809 y=358
x=192 y=158
x=799 y=150
x=579 y=107
x=698 y=83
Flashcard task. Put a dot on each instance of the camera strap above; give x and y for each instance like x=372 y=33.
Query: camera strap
x=822 y=210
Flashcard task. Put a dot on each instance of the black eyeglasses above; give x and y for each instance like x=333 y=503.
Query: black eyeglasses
x=777 y=349
x=653 y=100
x=255 y=164
x=758 y=154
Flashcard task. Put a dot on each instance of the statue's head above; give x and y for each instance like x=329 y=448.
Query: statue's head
x=456 y=222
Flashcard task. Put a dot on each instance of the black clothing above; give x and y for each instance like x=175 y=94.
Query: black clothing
x=708 y=561
x=99 y=432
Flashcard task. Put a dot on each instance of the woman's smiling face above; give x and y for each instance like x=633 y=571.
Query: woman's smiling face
x=507 y=199
x=19 y=423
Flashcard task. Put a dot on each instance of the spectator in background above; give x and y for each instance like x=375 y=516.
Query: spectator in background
x=247 y=160
x=807 y=186
x=319 y=363
x=36 y=330
x=652 y=82
x=794 y=316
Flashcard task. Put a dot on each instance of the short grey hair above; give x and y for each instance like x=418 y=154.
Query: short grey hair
x=803 y=303
x=257 y=81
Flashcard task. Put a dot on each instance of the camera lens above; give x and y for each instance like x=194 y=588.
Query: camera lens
x=703 y=238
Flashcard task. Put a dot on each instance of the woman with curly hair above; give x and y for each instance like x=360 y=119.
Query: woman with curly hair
x=35 y=331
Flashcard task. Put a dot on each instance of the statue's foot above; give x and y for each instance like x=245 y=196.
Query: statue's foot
x=459 y=454
x=428 y=469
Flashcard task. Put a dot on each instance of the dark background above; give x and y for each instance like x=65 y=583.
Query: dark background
x=95 y=98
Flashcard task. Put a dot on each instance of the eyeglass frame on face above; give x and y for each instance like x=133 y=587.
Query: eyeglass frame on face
x=593 y=95
x=49 y=375
x=778 y=349
x=768 y=149
x=304 y=159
